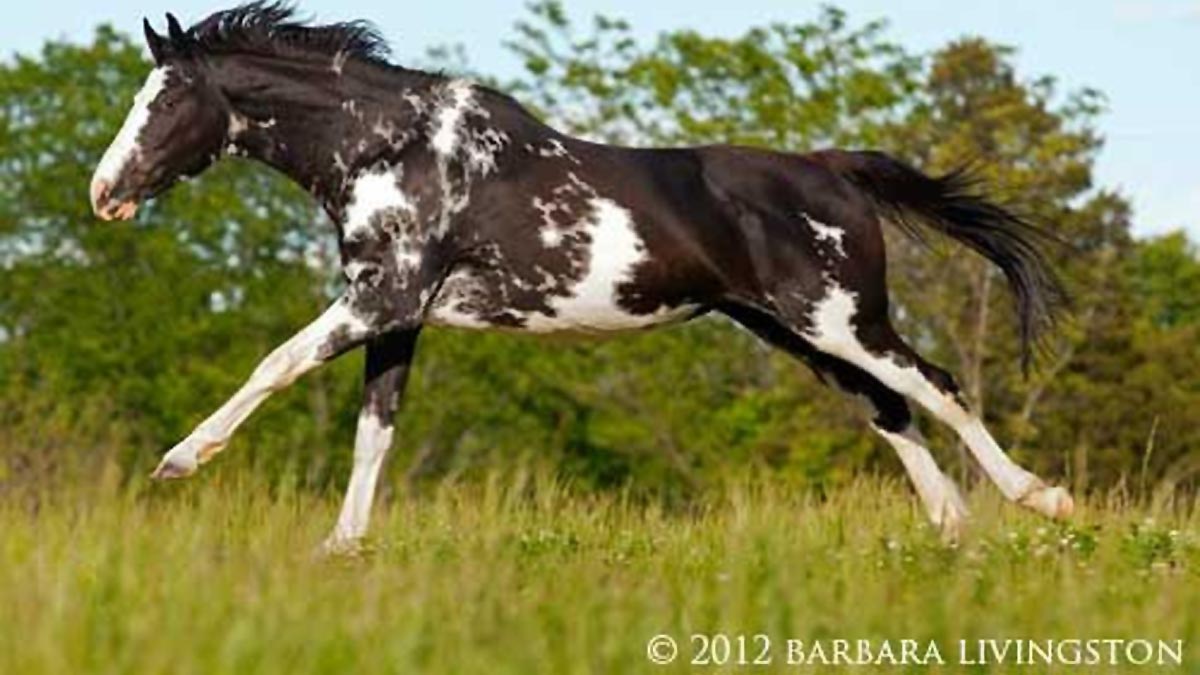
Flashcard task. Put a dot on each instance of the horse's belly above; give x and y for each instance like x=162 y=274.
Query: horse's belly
x=583 y=315
x=469 y=301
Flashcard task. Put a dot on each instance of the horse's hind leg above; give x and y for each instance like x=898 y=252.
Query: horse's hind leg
x=835 y=325
x=890 y=417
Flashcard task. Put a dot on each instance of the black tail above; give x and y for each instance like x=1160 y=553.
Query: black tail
x=952 y=205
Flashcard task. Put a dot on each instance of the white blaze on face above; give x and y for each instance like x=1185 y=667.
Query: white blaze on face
x=124 y=147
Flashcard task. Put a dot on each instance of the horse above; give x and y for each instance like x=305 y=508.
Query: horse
x=455 y=206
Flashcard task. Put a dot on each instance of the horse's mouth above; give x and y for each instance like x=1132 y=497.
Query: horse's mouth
x=117 y=211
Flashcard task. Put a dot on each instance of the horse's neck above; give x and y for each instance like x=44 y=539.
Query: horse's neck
x=315 y=136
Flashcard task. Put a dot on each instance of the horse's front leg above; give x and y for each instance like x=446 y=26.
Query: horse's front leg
x=337 y=330
x=385 y=375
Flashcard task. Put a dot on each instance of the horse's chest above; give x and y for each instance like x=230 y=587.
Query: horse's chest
x=577 y=278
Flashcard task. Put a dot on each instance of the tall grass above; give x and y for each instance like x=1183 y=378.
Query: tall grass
x=526 y=576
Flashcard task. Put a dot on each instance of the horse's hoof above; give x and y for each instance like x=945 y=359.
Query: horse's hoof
x=341 y=547
x=951 y=529
x=951 y=518
x=1054 y=502
x=173 y=468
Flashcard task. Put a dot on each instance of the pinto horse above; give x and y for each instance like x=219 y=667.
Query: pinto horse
x=455 y=206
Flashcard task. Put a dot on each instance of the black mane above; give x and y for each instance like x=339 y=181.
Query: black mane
x=271 y=27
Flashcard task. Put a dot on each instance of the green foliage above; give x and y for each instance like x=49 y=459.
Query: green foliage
x=115 y=339
x=1165 y=280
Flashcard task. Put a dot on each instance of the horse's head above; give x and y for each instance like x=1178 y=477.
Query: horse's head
x=177 y=127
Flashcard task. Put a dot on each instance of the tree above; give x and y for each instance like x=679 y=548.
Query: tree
x=786 y=86
x=1165 y=273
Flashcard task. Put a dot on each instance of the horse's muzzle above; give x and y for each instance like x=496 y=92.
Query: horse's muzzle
x=107 y=208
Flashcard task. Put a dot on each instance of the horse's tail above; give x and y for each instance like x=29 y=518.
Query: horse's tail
x=952 y=205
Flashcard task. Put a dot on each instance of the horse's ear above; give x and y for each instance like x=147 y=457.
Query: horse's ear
x=154 y=41
x=179 y=39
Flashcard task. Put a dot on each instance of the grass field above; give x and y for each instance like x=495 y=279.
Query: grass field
x=217 y=576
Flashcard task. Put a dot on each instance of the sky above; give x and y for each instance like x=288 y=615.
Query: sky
x=1144 y=55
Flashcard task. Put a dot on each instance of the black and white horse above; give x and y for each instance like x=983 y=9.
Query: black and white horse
x=456 y=207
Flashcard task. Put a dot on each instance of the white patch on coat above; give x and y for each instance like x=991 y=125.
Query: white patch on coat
x=451 y=139
x=555 y=149
x=339 y=163
x=827 y=233
x=371 y=193
x=592 y=304
x=238 y=124
x=448 y=120
x=832 y=332
x=387 y=130
x=614 y=252
x=482 y=148
x=376 y=192
x=549 y=230
x=124 y=147
x=449 y=307
x=574 y=182
x=418 y=104
x=339 y=61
